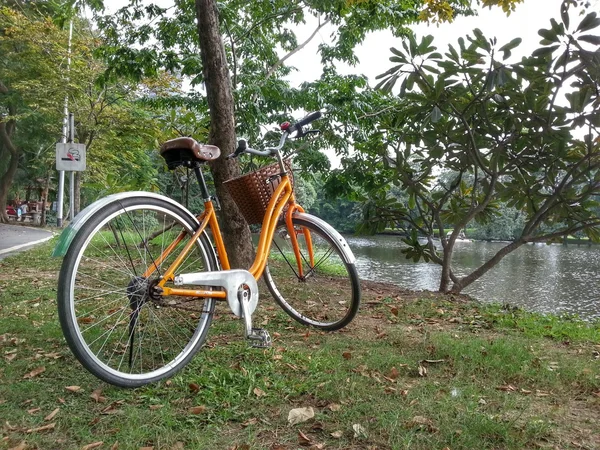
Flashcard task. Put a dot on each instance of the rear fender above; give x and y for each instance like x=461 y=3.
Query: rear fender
x=332 y=233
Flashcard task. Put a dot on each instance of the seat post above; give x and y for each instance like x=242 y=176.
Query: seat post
x=201 y=182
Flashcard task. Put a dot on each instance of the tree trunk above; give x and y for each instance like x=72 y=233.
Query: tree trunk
x=446 y=265
x=482 y=270
x=45 y=199
x=7 y=178
x=236 y=232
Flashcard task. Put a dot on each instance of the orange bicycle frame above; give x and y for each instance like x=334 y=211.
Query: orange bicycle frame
x=282 y=196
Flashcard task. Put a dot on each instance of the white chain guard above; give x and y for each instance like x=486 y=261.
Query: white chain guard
x=230 y=280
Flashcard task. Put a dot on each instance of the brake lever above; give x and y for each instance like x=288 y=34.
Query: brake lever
x=241 y=148
x=301 y=133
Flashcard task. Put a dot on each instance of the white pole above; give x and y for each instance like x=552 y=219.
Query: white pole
x=61 y=173
x=72 y=173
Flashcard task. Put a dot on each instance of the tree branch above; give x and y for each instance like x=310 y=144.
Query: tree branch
x=293 y=52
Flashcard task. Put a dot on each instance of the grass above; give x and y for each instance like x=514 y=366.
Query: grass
x=413 y=371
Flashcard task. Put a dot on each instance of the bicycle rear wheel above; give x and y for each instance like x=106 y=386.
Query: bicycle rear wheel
x=117 y=325
x=327 y=293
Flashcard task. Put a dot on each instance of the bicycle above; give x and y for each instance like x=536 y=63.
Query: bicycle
x=140 y=277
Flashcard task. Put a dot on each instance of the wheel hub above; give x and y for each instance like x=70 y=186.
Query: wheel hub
x=137 y=292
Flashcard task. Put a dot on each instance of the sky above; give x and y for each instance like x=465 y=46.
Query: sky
x=374 y=53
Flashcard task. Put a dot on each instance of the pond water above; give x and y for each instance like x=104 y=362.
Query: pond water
x=561 y=279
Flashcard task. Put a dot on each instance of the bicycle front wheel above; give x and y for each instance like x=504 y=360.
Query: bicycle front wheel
x=325 y=292
x=116 y=323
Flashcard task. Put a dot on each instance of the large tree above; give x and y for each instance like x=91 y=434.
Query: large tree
x=524 y=135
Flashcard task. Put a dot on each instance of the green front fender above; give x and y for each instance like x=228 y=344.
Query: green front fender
x=69 y=233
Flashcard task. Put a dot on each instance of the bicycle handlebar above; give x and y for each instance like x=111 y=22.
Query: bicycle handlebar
x=287 y=130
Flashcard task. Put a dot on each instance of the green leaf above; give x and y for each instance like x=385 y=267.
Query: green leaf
x=424 y=45
x=388 y=72
x=511 y=45
x=396 y=52
x=543 y=51
x=556 y=27
x=549 y=35
x=561 y=60
x=436 y=114
x=590 y=38
x=589 y=22
x=564 y=14
x=412 y=201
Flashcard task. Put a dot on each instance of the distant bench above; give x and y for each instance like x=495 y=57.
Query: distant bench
x=27 y=217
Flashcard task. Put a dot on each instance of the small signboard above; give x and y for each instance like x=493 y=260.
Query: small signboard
x=70 y=157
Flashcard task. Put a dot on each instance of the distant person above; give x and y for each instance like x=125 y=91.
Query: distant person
x=24 y=210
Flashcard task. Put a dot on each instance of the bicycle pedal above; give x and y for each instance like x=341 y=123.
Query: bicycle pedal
x=260 y=338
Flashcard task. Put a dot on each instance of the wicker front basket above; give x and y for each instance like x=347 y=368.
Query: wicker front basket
x=253 y=191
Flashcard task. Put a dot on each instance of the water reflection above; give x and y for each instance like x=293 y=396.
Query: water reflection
x=545 y=278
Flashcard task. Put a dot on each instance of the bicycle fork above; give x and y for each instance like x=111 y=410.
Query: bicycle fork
x=242 y=295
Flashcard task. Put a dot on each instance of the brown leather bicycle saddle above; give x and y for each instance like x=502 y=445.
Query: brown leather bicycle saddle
x=185 y=150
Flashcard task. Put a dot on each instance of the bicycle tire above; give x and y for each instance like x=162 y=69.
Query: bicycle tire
x=114 y=326
x=327 y=295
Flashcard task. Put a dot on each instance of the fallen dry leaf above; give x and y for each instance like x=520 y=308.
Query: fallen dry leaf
x=249 y=422
x=359 y=430
x=51 y=416
x=393 y=373
x=92 y=445
x=317 y=426
x=20 y=446
x=178 y=446
x=347 y=355
x=422 y=370
x=73 y=388
x=155 y=407
x=97 y=396
x=303 y=439
x=422 y=423
x=194 y=388
x=35 y=372
x=337 y=434
x=334 y=407
x=299 y=415
x=33 y=410
x=259 y=392
x=112 y=408
x=507 y=388
x=147 y=448
x=197 y=409
x=48 y=427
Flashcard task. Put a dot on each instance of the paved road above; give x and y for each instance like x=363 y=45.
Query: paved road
x=14 y=238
